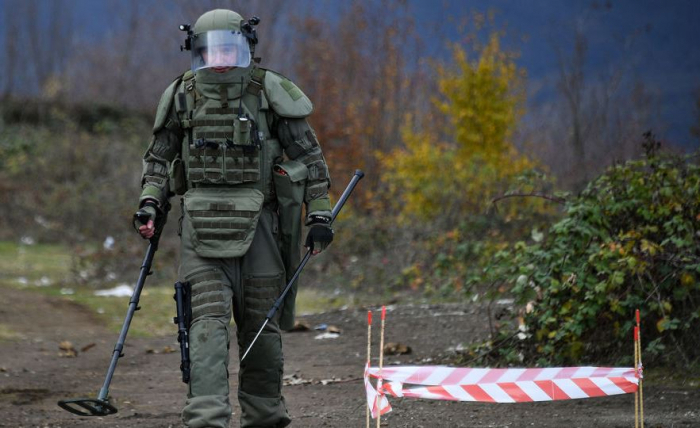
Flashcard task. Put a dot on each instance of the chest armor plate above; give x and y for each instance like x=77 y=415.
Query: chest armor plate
x=220 y=149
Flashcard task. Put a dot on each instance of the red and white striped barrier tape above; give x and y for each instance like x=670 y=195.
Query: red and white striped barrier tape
x=498 y=385
x=372 y=403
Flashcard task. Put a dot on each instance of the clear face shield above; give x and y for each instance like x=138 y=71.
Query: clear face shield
x=220 y=48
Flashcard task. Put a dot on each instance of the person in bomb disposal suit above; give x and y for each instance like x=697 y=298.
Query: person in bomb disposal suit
x=232 y=138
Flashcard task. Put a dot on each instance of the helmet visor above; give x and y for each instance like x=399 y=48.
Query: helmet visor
x=220 y=48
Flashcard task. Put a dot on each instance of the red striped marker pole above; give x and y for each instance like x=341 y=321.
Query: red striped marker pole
x=640 y=367
x=381 y=365
x=369 y=351
x=636 y=365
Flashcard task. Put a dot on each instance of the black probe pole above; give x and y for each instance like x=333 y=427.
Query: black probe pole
x=336 y=209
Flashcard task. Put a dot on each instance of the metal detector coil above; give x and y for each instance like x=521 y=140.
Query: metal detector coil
x=88 y=407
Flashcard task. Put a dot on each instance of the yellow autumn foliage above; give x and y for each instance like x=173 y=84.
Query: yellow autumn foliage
x=482 y=100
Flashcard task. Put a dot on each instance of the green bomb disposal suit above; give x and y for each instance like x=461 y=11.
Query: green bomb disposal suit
x=236 y=145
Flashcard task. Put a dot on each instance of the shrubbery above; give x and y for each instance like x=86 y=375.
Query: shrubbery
x=630 y=240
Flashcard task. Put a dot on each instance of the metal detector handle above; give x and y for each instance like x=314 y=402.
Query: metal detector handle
x=159 y=223
x=336 y=209
x=142 y=217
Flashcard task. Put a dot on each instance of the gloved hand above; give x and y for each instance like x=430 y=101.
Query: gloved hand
x=320 y=234
x=148 y=211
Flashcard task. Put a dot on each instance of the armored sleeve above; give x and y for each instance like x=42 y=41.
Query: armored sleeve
x=164 y=148
x=299 y=142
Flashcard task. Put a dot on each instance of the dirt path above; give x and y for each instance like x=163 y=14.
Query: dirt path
x=148 y=393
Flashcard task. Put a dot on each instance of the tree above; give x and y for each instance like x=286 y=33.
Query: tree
x=599 y=117
x=363 y=73
x=35 y=54
x=481 y=101
x=695 y=129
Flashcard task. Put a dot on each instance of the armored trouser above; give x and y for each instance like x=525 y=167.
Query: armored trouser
x=247 y=287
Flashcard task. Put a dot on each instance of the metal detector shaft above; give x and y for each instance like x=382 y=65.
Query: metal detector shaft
x=133 y=307
x=336 y=209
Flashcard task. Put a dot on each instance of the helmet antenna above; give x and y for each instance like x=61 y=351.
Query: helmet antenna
x=248 y=30
x=188 y=40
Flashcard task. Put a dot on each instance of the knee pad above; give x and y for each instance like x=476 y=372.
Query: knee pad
x=259 y=294
x=210 y=296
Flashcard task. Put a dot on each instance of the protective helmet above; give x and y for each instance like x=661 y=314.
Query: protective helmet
x=218 y=40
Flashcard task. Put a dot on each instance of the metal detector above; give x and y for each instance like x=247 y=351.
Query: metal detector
x=100 y=406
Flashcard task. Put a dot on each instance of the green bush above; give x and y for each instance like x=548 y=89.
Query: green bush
x=630 y=240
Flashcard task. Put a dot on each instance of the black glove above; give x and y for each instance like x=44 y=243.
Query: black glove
x=147 y=212
x=320 y=233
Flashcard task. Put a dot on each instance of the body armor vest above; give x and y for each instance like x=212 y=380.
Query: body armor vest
x=227 y=139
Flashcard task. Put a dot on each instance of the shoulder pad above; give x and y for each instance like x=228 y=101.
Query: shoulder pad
x=285 y=98
x=166 y=101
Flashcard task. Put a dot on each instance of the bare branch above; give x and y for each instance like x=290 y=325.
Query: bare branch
x=534 y=195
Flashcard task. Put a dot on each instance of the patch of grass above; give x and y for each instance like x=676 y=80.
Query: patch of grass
x=312 y=301
x=6 y=333
x=158 y=309
x=155 y=318
x=672 y=378
x=31 y=263
x=24 y=266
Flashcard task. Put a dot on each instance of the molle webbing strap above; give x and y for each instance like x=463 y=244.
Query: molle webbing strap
x=214 y=134
x=215 y=298
x=294 y=151
x=229 y=110
x=233 y=153
x=236 y=152
x=214 y=214
x=200 y=175
x=219 y=309
x=200 y=152
x=203 y=277
x=312 y=138
x=207 y=288
x=239 y=177
x=264 y=282
x=156 y=168
x=224 y=236
x=212 y=122
x=228 y=225
x=220 y=206
x=313 y=158
x=159 y=181
x=212 y=164
x=247 y=162
x=223 y=96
